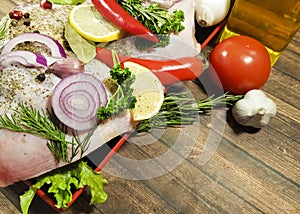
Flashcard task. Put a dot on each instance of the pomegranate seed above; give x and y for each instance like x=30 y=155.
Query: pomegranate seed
x=16 y=14
x=46 y=4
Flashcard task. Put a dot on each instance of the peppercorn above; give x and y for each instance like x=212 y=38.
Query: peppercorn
x=26 y=15
x=14 y=22
x=27 y=23
x=41 y=77
x=48 y=71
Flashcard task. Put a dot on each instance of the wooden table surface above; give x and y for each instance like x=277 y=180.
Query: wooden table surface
x=252 y=171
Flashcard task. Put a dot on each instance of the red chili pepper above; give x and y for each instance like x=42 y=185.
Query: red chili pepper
x=114 y=12
x=167 y=71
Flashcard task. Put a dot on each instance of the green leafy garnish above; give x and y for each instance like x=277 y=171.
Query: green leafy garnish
x=85 y=50
x=123 y=97
x=62 y=180
x=67 y=2
x=3 y=30
x=158 y=20
x=178 y=109
x=29 y=120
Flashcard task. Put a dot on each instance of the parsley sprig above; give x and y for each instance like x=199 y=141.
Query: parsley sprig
x=29 y=120
x=157 y=19
x=123 y=98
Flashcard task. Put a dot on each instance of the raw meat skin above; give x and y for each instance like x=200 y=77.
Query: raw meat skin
x=182 y=44
x=24 y=156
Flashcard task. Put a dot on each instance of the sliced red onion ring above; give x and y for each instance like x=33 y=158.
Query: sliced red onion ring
x=76 y=99
x=25 y=58
x=56 y=48
x=62 y=67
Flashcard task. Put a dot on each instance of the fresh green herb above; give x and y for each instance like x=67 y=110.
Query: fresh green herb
x=85 y=50
x=29 y=120
x=3 y=30
x=123 y=98
x=61 y=180
x=67 y=2
x=158 y=20
x=179 y=109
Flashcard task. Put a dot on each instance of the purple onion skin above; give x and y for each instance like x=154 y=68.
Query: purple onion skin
x=56 y=48
x=26 y=58
x=76 y=100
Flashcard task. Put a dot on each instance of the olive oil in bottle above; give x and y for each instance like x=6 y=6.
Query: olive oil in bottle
x=273 y=22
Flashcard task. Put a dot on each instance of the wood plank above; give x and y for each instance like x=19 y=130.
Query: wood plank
x=195 y=180
x=283 y=87
x=289 y=61
x=278 y=143
x=6 y=205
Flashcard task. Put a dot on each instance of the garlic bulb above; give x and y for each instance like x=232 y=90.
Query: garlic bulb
x=255 y=109
x=211 y=12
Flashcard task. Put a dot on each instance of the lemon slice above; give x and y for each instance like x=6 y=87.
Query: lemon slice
x=148 y=91
x=91 y=25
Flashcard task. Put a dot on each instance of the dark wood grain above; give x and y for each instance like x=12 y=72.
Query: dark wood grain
x=252 y=171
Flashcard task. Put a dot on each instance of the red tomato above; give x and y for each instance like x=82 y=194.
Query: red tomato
x=241 y=64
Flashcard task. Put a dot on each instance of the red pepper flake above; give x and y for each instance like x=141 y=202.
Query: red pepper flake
x=46 y=5
x=16 y=14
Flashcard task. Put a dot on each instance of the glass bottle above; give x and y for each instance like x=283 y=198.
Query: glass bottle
x=273 y=22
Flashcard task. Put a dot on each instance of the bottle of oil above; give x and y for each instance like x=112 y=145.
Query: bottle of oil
x=273 y=22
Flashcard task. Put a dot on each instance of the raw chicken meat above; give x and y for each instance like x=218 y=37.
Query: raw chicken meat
x=25 y=156
x=181 y=44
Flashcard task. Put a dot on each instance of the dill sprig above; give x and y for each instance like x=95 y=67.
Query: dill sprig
x=179 y=109
x=29 y=120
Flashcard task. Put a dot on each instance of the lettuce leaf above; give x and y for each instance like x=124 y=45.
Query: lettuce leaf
x=67 y=2
x=62 y=180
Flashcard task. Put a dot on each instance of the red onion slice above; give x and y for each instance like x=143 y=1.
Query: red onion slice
x=76 y=100
x=56 y=48
x=62 y=67
x=25 y=58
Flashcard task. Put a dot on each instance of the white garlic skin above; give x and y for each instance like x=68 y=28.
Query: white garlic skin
x=255 y=109
x=211 y=12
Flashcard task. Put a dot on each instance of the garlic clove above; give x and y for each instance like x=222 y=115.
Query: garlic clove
x=255 y=109
x=67 y=66
x=211 y=12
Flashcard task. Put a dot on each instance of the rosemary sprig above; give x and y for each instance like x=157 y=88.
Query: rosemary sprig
x=29 y=120
x=3 y=30
x=178 y=109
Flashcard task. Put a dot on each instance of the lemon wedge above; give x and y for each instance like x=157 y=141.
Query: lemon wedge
x=148 y=91
x=91 y=25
